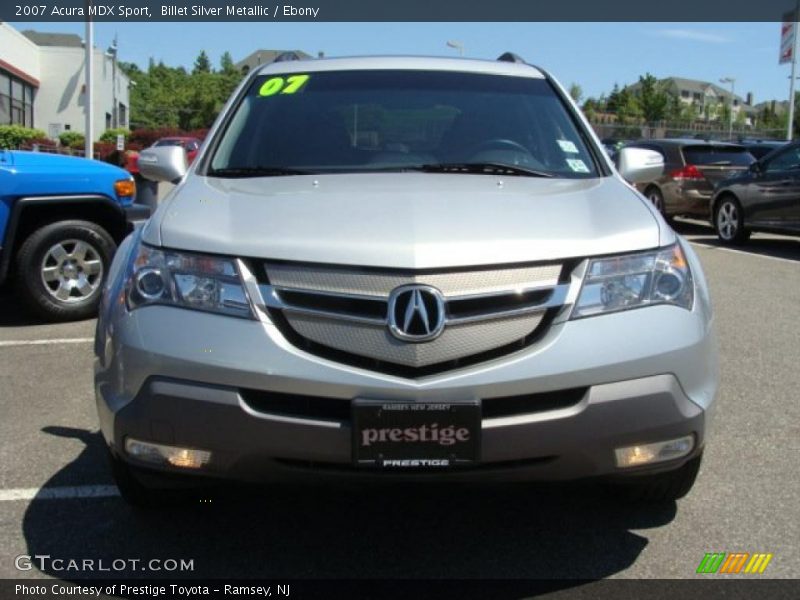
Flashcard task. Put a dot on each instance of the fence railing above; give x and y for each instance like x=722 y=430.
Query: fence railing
x=687 y=130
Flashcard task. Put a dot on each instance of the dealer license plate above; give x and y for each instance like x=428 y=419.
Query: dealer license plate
x=415 y=435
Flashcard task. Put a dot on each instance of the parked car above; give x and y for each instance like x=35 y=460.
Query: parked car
x=612 y=146
x=383 y=268
x=766 y=197
x=61 y=219
x=759 y=148
x=190 y=144
x=691 y=169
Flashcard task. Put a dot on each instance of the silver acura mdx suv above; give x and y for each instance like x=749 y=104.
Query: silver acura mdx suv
x=404 y=268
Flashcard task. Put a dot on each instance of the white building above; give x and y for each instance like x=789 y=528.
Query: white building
x=42 y=83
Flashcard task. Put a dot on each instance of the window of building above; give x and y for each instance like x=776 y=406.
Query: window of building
x=684 y=93
x=5 y=99
x=16 y=101
x=123 y=115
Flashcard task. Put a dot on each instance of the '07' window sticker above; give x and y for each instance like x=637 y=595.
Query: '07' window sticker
x=281 y=85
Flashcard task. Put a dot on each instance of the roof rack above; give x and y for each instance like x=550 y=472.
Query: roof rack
x=511 y=57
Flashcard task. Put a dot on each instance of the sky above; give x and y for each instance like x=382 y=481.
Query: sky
x=593 y=55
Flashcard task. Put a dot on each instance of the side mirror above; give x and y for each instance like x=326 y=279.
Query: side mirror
x=755 y=168
x=164 y=163
x=638 y=165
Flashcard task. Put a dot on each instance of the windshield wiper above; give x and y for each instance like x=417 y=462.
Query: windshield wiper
x=493 y=168
x=256 y=172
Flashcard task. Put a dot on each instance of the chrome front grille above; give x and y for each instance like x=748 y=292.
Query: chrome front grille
x=371 y=282
x=345 y=310
x=376 y=342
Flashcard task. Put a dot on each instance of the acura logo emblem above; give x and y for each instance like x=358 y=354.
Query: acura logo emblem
x=416 y=313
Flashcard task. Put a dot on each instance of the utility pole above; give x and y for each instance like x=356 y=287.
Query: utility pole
x=790 y=126
x=89 y=64
x=732 y=81
x=112 y=52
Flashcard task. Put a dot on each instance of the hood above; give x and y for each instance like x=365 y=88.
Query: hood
x=39 y=160
x=410 y=220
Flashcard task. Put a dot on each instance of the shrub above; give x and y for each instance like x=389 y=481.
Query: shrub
x=12 y=136
x=110 y=135
x=73 y=139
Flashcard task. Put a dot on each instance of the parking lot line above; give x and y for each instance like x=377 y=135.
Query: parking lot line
x=12 y=343
x=744 y=252
x=66 y=492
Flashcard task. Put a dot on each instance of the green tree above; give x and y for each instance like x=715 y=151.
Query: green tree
x=652 y=97
x=205 y=102
x=724 y=113
x=628 y=108
x=591 y=107
x=691 y=112
x=202 y=64
x=226 y=64
x=675 y=109
x=710 y=110
x=612 y=104
x=740 y=119
x=166 y=96
x=576 y=92
x=130 y=69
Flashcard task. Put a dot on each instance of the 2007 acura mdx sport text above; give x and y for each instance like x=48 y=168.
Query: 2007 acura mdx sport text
x=395 y=268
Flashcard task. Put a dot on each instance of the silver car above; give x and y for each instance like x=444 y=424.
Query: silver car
x=404 y=268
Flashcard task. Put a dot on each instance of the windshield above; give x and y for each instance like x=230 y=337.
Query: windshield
x=356 y=121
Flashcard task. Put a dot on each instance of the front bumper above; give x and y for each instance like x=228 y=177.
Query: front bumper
x=177 y=377
x=136 y=215
x=569 y=443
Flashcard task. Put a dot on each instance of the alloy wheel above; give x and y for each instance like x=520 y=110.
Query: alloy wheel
x=727 y=220
x=655 y=198
x=72 y=270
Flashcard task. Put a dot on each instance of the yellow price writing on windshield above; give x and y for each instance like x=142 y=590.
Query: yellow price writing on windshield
x=288 y=85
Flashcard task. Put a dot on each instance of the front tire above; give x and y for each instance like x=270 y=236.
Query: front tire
x=61 y=268
x=729 y=221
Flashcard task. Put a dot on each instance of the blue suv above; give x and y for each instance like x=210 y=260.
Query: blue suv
x=61 y=219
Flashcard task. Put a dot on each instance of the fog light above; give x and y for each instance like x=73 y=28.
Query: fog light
x=187 y=458
x=645 y=454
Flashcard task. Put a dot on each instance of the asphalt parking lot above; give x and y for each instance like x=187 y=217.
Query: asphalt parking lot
x=57 y=499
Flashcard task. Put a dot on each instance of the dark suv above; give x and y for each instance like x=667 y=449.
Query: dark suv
x=691 y=169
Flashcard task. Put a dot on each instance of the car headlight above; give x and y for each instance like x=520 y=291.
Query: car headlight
x=187 y=280
x=636 y=280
